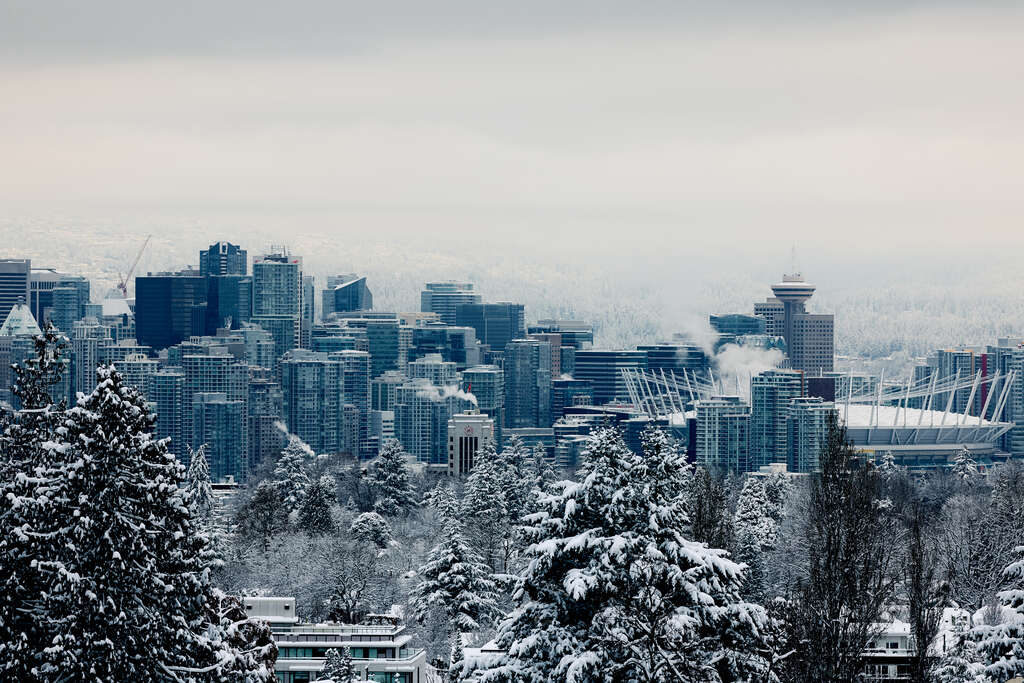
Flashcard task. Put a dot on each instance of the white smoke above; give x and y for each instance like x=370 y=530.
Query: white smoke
x=438 y=393
x=737 y=364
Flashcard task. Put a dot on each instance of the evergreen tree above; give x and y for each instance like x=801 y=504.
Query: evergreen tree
x=315 y=514
x=756 y=533
x=32 y=453
x=455 y=583
x=888 y=469
x=964 y=467
x=710 y=520
x=338 y=666
x=1002 y=645
x=263 y=516
x=370 y=527
x=390 y=482
x=127 y=594
x=613 y=591
x=442 y=500
x=959 y=664
x=485 y=508
x=197 y=481
x=290 y=473
x=543 y=473
x=457 y=659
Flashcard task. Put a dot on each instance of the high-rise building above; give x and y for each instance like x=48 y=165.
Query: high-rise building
x=228 y=302
x=487 y=384
x=382 y=337
x=555 y=339
x=677 y=358
x=221 y=425
x=223 y=258
x=277 y=290
x=771 y=393
x=168 y=306
x=314 y=399
x=604 y=369
x=567 y=392
x=346 y=293
x=16 y=346
x=444 y=298
x=15 y=277
x=433 y=367
x=266 y=408
x=421 y=419
x=355 y=377
x=468 y=433
x=136 y=368
x=384 y=390
x=68 y=301
x=738 y=324
x=527 y=384
x=723 y=434
x=810 y=338
x=88 y=340
x=807 y=428
x=458 y=345
x=495 y=324
x=213 y=373
x=44 y=283
x=575 y=333
x=165 y=391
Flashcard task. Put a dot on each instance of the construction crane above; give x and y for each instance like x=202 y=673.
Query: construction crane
x=122 y=285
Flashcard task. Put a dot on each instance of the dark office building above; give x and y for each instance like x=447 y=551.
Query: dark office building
x=349 y=296
x=495 y=324
x=676 y=358
x=223 y=258
x=738 y=324
x=382 y=343
x=15 y=275
x=603 y=368
x=575 y=333
x=455 y=344
x=228 y=302
x=567 y=393
x=164 y=308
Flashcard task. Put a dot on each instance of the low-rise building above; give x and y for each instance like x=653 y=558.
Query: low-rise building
x=379 y=645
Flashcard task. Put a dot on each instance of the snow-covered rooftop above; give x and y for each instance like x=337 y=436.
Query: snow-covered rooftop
x=860 y=415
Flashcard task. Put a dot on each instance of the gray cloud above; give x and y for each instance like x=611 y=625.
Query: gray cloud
x=811 y=121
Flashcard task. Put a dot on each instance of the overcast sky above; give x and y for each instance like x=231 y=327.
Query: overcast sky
x=817 y=122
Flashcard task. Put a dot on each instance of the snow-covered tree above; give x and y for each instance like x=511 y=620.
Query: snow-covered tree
x=248 y=651
x=389 y=479
x=756 y=531
x=964 y=466
x=613 y=591
x=442 y=500
x=290 y=474
x=338 y=666
x=126 y=592
x=1001 y=646
x=263 y=516
x=370 y=527
x=485 y=508
x=315 y=513
x=32 y=477
x=888 y=469
x=543 y=473
x=455 y=583
x=456 y=660
x=197 y=481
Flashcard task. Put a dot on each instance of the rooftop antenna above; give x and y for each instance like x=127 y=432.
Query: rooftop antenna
x=792 y=260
